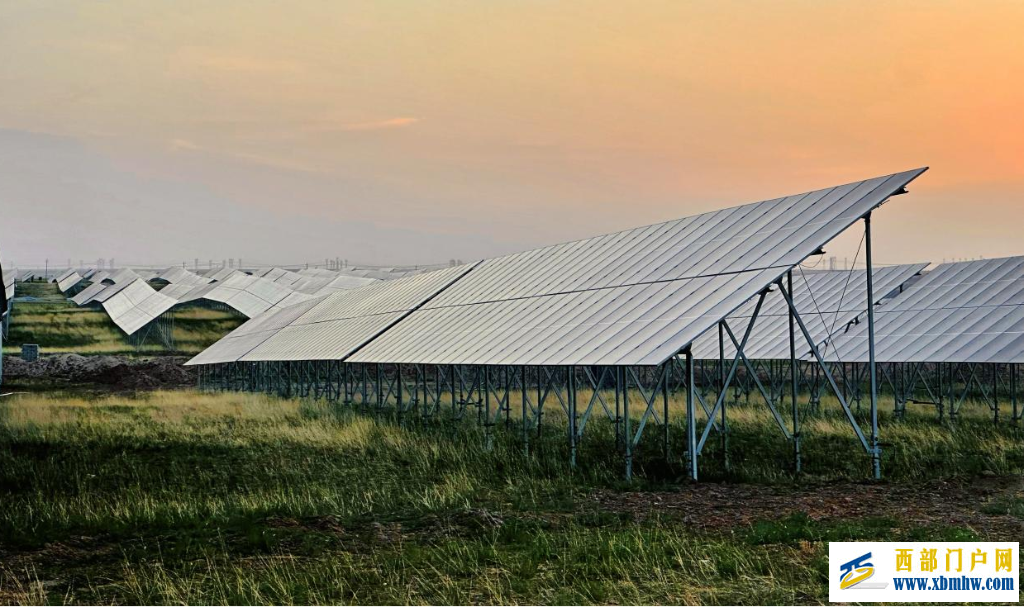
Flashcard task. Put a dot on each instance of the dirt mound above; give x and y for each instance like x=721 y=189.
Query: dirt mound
x=116 y=372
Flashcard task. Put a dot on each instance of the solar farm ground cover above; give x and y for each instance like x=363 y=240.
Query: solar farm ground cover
x=188 y=497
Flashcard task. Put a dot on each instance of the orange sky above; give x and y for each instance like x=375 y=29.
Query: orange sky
x=412 y=131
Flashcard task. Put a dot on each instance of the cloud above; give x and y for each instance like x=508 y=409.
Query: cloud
x=182 y=144
x=390 y=123
x=193 y=60
x=276 y=163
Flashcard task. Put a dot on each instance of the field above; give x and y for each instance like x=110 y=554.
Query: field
x=58 y=325
x=189 y=497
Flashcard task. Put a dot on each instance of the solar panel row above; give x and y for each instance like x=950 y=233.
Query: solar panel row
x=636 y=297
x=132 y=303
x=965 y=312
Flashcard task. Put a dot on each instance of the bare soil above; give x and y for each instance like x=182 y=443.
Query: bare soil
x=715 y=507
x=109 y=372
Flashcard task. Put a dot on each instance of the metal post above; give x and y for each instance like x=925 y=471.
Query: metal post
x=380 y=387
x=618 y=410
x=691 y=417
x=664 y=399
x=526 y=430
x=627 y=434
x=1013 y=391
x=455 y=395
x=873 y=371
x=541 y=397
x=570 y=386
x=487 y=408
x=942 y=392
x=722 y=394
x=995 y=394
x=401 y=389
x=792 y=378
x=508 y=396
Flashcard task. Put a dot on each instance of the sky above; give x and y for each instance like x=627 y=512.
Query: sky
x=414 y=132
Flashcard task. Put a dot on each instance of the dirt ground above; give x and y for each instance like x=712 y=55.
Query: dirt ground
x=109 y=372
x=712 y=506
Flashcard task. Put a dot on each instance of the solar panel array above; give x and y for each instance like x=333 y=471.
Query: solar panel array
x=104 y=284
x=636 y=297
x=247 y=294
x=965 y=312
x=828 y=301
x=330 y=327
x=132 y=303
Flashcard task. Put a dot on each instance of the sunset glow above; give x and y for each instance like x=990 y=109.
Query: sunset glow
x=415 y=132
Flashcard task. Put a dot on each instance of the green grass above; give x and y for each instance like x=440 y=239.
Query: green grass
x=187 y=497
x=58 y=326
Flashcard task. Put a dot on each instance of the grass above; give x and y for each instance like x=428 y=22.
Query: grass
x=189 y=497
x=59 y=326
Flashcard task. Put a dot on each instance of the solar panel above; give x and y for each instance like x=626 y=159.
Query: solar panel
x=104 y=285
x=330 y=327
x=827 y=300
x=67 y=281
x=85 y=295
x=345 y=282
x=181 y=275
x=176 y=291
x=252 y=333
x=965 y=312
x=135 y=304
x=8 y=277
x=636 y=297
x=250 y=295
x=222 y=274
x=65 y=275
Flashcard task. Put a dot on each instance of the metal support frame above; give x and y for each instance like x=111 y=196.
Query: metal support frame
x=432 y=394
x=876 y=454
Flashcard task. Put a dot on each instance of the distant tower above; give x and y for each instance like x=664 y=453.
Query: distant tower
x=196 y=266
x=231 y=262
x=111 y=263
x=100 y=264
x=239 y=263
